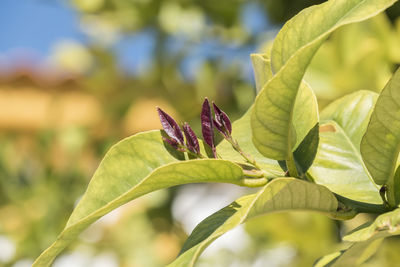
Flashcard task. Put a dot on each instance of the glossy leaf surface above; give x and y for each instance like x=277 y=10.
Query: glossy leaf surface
x=338 y=164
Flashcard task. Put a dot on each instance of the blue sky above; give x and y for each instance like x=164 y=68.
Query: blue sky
x=36 y=25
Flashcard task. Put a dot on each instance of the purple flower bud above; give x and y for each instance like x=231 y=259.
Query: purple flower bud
x=172 y=142
x=191 y=139
x=220 y=128
x=207 y=126
x=170 y=126
x=222 y=121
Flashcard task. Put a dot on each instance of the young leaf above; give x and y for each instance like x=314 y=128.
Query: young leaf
x=191 y=139
x=352 y=113
x=207 y=126
x=129 y=171
x=343 y=123
x=272 y=120
x=380 y=145
x=279 y=195
x=262 y=70
x=170 y=127
x=222 y=121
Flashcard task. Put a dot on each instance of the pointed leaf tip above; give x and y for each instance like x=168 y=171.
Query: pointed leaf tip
x=220 y=128
x=191 y=139
x=172 y=142
x=222 y=119
x=170 y=126
x=207 y=125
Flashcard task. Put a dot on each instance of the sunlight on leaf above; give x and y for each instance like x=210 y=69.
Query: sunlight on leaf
x=380 y=145
x=272 y=119
x=338 y=164
x=280 y=195
x=134 y=167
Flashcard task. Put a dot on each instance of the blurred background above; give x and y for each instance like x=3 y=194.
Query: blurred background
x=77 y=76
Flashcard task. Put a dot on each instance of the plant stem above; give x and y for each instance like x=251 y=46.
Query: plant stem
x=251 y=182
x=291 y=165
x=249 y=159
x=363 y=207
x=390 y=194
x=185 y=149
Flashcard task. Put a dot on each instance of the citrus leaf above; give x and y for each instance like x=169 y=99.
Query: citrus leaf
x=352 y=112
x=305 y=153
x=262 y=69
x=305 y=115
x=338 y=164
x=281 y=194
x=242 y=131
x=134 y=167
x=380 y=145
x=387 y=224
x=355 y=255
x=272 y=119
x=339 y=167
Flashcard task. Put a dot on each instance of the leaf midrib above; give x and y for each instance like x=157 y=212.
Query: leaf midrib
x=103 y=210
x=328 y=31
x=307 y=45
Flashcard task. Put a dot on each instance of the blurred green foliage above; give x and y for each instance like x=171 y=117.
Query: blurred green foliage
x=360 y=56
x=43 y=173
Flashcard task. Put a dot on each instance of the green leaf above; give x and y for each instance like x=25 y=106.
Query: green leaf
x=387 y=224
x=272 y=119
x=380 y=145
x=262 y=69
x=305 y=153
x=355 y=255
x=352 y=112
x=338 y=164
x=279 y=195
x=396 y=185
x=305 y=115
x=134 y=167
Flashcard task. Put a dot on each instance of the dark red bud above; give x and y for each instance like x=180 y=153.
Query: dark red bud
x=170 y=126
x=220 y=128
x=172 y=142
x=207 y=125
x=222 y=119
x=191 y=139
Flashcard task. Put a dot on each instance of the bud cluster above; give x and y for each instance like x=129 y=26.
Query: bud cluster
x=175 y=136
x=174 y=132
x=219 y=120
